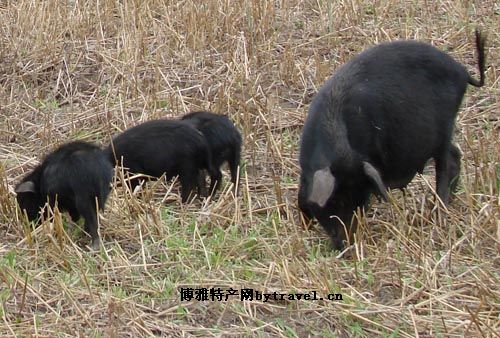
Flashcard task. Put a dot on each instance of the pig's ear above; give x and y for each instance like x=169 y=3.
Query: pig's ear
x=27 y=186
x=374 y=175
x=322 y=186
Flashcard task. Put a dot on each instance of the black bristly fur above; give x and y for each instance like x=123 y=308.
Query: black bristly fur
x=392 y=106
x=224 y=141
x=167 y=147
x=74 y=175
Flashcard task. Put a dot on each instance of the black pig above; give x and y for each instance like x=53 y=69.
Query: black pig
x=373 y=126
x=224 y=141
x=167 y=147
x=74 y=175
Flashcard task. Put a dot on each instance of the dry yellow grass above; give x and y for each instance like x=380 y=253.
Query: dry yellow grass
x=88 y=69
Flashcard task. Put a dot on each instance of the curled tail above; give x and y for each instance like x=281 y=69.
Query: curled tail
x=481 y=59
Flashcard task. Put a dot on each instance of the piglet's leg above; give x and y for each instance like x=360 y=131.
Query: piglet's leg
x=201 y=184
x=215 y=180
x=189 y=177
x=86 y=207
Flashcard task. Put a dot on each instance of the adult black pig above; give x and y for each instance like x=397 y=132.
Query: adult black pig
x=75 y=175
x=375 y=123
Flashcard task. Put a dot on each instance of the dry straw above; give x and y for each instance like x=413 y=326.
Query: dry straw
x=89 y=69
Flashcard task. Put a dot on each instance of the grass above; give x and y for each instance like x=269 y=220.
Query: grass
x=87 y=70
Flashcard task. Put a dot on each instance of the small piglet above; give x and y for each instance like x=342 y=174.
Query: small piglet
x=78 y=176
x=224 y=141
x=373 y=126
x=167 y=147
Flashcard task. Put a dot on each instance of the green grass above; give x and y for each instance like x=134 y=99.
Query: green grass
x=88 y=70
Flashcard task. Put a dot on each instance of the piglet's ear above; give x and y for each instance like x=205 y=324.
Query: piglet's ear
x=322 y=186
x=27 y=186
x=374 y=175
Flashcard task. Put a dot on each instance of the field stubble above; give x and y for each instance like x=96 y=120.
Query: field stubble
x=87 y=70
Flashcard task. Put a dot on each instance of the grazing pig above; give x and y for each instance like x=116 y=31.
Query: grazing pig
x=224 y=141
x=167 y=147
x=374 y=125
x=74 y=175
